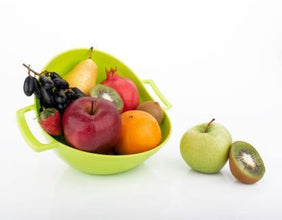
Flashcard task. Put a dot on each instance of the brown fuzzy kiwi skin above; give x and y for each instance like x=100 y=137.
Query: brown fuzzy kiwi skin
x=152 y=108
x=237 y=172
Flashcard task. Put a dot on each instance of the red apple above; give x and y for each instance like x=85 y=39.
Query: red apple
x=91 y=124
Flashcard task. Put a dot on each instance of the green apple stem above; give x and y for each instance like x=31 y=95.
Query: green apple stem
x=90 y=53
x=209 y=124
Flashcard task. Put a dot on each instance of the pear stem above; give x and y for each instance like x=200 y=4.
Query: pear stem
x=90 y=53
x=209 y=124
x=31 y=70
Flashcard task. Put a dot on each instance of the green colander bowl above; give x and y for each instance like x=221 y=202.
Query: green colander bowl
x=90 y=162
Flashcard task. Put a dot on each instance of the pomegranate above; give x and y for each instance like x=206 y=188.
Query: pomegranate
x=124 y=87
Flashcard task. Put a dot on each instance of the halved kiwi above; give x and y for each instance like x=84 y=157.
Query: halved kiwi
x=245 y=162
x=105 y=92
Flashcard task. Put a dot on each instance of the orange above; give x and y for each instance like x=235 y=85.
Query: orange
x=140 y=132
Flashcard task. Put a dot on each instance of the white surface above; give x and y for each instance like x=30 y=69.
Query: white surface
x=219 y=59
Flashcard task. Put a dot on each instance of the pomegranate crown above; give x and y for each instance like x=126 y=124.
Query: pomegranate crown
x=111 y=72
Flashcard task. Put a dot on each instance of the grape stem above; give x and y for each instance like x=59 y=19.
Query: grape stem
x=209 y=125
x=31 y=70
x=28 y=70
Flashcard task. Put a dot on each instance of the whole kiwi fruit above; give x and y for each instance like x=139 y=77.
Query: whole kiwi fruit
x=152 y=108
x=245 y=162
x=108 y=93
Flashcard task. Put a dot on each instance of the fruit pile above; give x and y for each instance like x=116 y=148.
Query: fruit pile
x=103 y=117
x=207 y=147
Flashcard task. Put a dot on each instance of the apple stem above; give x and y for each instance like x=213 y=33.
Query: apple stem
x=90 y=53
x=209 y=125
x=92 y=108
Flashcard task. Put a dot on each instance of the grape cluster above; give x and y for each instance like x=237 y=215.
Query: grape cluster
x=51 y=89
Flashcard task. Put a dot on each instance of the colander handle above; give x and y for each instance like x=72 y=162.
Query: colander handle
x=27 y=135
x=158 y=93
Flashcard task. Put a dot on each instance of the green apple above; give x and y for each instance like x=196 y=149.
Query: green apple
x=205 y=147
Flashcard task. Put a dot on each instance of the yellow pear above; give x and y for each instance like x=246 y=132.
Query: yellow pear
x=83 y=75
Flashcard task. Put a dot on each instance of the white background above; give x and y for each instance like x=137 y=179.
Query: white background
x=220 y=59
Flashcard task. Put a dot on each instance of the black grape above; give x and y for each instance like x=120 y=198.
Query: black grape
x=60 y=96
x=46 y=97
x=71 y=95
x=47 y=83
x=37 y=88
x=28 y=85
x=61 y=107
x=60 y=83
x=54 y=75
x=78 y=92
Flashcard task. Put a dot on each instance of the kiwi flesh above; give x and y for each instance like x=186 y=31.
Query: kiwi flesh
x=245 y=162
x=105 y=92
x=152 y=108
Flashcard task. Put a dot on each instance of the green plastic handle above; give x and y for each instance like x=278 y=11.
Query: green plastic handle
x=158 y=93
x=28 y=136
